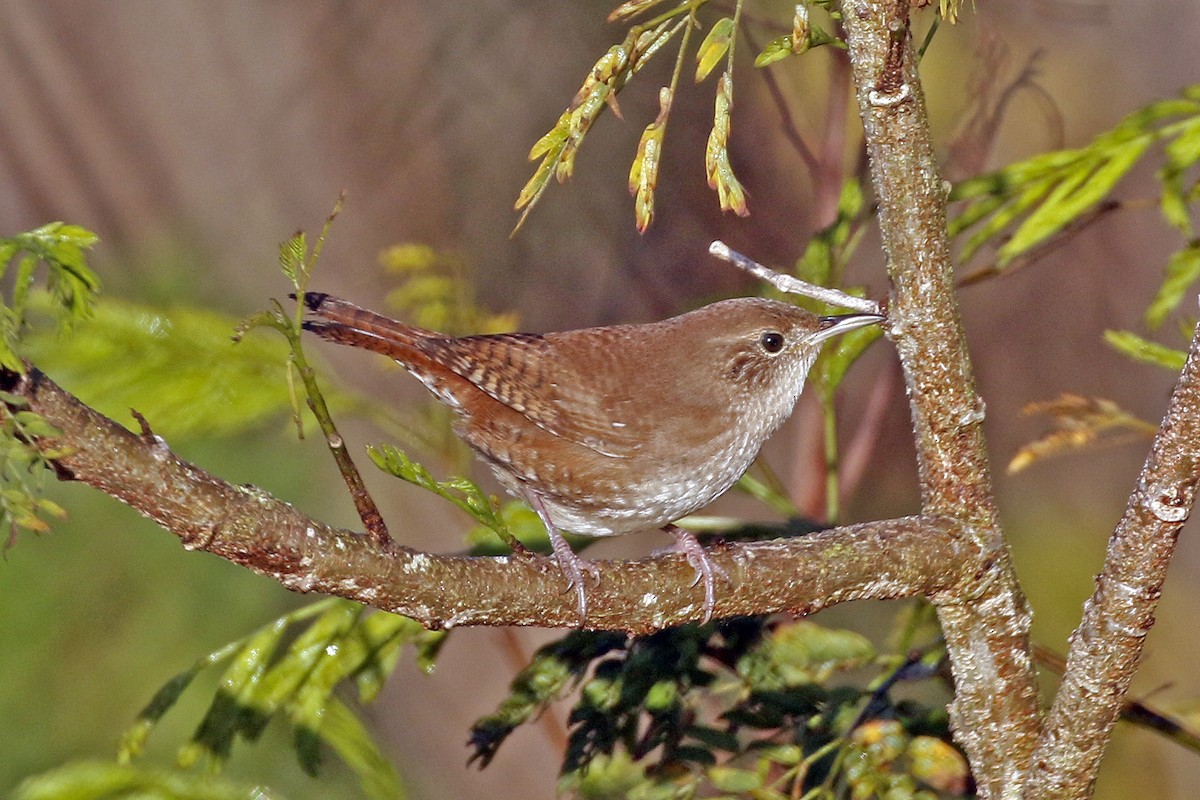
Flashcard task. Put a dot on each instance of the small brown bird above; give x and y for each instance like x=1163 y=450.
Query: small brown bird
x=616 y=429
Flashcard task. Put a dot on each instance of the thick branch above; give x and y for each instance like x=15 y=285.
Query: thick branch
x=920 y=556
x=1107 y=645
x=994 y=713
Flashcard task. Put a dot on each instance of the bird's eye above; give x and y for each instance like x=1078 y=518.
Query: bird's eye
x=771 y=341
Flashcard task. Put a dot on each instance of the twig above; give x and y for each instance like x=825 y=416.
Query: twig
x=364 y=504
x=791 y=284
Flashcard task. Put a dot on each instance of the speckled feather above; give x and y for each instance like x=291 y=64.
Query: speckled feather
x=615 y=429
x=633 y=426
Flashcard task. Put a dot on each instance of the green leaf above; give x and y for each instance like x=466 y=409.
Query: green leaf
x=1075 y=194
x=1183 y=269
x=177 y=366
x=338 y=643
x=461 y=492
x=343 y=731
x=837 y=356
x=1181 y=153
x=776 y=50
x=70 y=283
x=1053 y=190
x=1140 y=349
x=733 y=780
x=716 y=154
x=803 y=653
x=829 y=249
x=643 y=172
x=91 y=780
x=714 y=47
x=292 y=255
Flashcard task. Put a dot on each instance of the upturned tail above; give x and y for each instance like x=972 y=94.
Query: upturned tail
x=343 y=322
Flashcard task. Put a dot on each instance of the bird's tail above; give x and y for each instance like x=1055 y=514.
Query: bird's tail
x=345 y=323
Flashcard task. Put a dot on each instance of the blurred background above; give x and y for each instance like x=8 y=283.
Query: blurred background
x=194 y=137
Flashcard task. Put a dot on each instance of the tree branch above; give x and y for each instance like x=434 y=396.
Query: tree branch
x=1106 y=647
x=245 y=525
x=994 y=714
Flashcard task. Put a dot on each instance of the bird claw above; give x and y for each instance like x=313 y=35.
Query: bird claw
x=572 y=567
x=706 y=568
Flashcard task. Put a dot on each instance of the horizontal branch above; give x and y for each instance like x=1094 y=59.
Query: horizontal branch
x=914 y=556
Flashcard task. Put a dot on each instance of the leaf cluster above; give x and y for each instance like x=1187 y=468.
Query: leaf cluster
x=1043 y=195
x=71 y=288
x=556 y=150
x=291 y=670
x=70 y=282
x=742 y=706
x=1028 y=207
x=23 y=469
x=177 y=366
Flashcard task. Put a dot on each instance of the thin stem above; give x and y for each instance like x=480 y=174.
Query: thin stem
x=690 y=22
x=833 y=504
x=364 y=504
x=792 y=285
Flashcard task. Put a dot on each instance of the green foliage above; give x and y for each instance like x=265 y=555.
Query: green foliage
x=643 y=172
x=177 y=366
x=297 y=261
x=90 y=780
x=730 y=193
x=437 y=291
x=1045 y=194
x=463 y=493
x=715 y=47
x=514 y=526
x=71 y=287
x=1183 y=269
x=1145 y=351
x=1051 y=194
x=823 y=263
x=23 y=469
x=556 y=150
x=71 y=283
x=289 y=670
x=558 y=147
x=804 y=37
x=737 y=707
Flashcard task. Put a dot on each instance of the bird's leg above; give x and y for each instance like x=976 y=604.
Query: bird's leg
x=705 y=568
x=572 y=566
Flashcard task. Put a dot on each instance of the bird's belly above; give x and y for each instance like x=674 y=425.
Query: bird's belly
x=600 y=496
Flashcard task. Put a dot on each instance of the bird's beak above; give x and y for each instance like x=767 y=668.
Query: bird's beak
x=832 y=326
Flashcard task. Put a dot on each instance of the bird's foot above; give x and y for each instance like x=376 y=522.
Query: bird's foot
x=572 y=567
x=707 y=570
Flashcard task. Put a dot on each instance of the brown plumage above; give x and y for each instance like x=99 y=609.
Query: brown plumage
x=615 y=429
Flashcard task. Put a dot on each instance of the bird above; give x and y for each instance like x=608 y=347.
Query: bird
x=616 y=429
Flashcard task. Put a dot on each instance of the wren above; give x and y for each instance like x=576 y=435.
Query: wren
x=616 y=429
